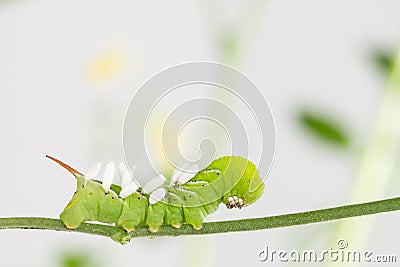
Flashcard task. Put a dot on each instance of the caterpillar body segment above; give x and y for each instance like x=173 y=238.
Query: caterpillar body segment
x=227 y=180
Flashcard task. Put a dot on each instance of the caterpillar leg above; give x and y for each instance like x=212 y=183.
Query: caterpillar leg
x=133 y=211
x=174 y=216
x=72 y=216
x=194 y=216
x=155 y=216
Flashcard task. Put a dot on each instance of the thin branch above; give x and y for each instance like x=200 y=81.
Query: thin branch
x=119 y=235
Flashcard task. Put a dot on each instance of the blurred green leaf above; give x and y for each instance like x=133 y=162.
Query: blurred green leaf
x=78 y=260
x=384 y=59
x=325 y=128
x=230 y=47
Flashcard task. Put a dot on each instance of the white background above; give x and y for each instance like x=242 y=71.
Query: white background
x=300 y=54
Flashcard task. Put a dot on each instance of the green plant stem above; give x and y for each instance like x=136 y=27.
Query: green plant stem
x=119 y=235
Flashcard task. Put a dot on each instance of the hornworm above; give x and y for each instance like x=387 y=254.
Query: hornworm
x=231 y=180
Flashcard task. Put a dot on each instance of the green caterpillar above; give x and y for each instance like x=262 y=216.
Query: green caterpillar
x=233 y=181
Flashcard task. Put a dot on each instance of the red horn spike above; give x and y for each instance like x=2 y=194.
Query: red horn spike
x=67 y=167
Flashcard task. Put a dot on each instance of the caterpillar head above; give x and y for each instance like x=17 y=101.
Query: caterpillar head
x=236 y=179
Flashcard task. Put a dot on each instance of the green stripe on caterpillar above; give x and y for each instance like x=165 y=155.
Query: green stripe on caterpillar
x=231 y=180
